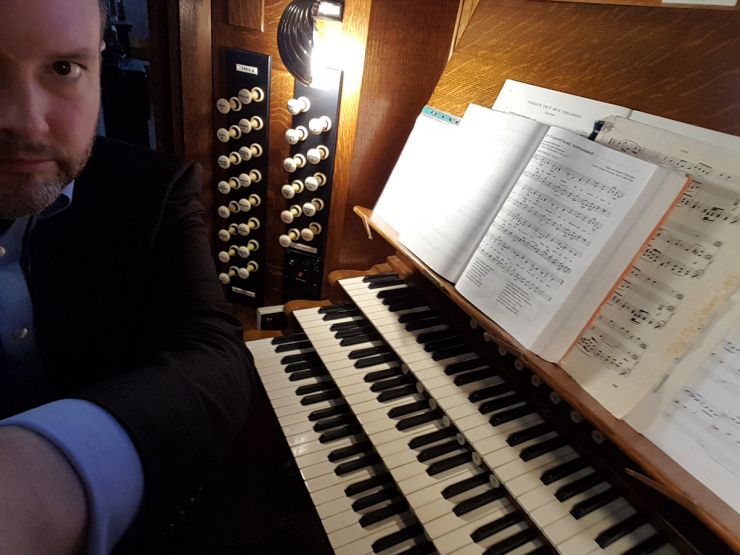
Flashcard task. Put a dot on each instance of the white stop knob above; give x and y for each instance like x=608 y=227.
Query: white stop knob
x=317 y=126
x=298 y=105
x=295 y=136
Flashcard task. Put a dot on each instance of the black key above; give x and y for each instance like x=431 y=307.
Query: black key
x=619 y=530
x=374 y=498
x=567 y=491
x=384 y=284
x=354 y=325
x=288 y=339
x=380 y=277
x=438 y=467
x=367 y=484
x=400 y=292
x=339 y=433
x=534 y=451
x=440 y=344
x=340 y=315
x=416 y=316
x=431 y=437
x=648 y=545
x=320 y=414
x=512 y=542
x=541 y=550
x=511 y=414
x=361 y=462
x=383 y=374
x=368 y=352
x=528 y=433
x=424 y=548
x=305 y=365
x=496 y=526
x=429 y=336
x=403 y=410
x=451 y=352
x=423 y=324
x=285 y=347
x=464 y=366
x=374 y=361
x=392 y=394
x=562 y=470
x=465 y=485
x=471 y=377
x=334 y=308
x=499 y=403
x=315 y=387
x=419 y=419
x=359 y=339
x=334 y=421
x=344 y=452
x=359 y=330
x=386 y=512
x=438 y=450
x=390 y=383
x=589 y=505
x=488 y=392
x=302 y=357
x=405 y=304
x=386 y=542
x=305 y=374
x=319 y=397
x=479 y=500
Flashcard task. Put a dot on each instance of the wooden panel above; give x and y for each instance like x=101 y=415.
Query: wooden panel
x=680 y=64
x=249 y=14
x=407 y=49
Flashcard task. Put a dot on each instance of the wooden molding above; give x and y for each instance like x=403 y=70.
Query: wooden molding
x=249 y=14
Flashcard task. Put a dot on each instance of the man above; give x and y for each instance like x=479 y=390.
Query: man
x=122 y=379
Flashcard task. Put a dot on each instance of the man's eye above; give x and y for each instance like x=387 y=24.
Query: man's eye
x=66 y=69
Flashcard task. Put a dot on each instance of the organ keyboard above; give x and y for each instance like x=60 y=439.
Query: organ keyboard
x=409 y=440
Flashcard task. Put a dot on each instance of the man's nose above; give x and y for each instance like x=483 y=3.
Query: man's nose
x=24 y=108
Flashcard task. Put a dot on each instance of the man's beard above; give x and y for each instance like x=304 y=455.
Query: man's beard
x=24 y=194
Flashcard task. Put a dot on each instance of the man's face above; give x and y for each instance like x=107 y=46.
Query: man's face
x=49 y=98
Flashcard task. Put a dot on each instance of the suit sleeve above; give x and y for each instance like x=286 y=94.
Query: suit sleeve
x=186 y=393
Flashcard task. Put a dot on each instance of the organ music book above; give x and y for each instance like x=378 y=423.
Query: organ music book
x=534 y=224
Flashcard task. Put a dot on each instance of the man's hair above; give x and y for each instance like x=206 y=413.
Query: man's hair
x=103 y=5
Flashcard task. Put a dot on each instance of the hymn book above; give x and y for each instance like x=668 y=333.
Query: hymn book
x=534 y=224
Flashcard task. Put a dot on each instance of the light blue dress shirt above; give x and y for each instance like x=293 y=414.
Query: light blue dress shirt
x=91 y=439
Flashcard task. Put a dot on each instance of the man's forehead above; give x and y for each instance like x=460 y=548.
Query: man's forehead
x=30 y=28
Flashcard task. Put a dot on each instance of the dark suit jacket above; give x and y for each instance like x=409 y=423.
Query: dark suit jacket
x=129 y=315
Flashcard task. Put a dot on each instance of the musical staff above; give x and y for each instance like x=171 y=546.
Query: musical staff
x=707 y=410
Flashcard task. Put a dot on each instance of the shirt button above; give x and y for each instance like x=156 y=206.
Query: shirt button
x=2 y=251
x=21 y=333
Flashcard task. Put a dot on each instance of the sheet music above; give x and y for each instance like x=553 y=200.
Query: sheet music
x=555 y=235
x=696 y=420
x=458 y=205
x=681 y=277
x=558 y=109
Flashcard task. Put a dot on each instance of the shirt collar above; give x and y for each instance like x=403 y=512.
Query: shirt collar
x=61 y=203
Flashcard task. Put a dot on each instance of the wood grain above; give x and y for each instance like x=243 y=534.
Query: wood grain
x=680 y=64
x=249 y=14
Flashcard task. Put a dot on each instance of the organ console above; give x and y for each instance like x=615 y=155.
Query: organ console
x=420 y=426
